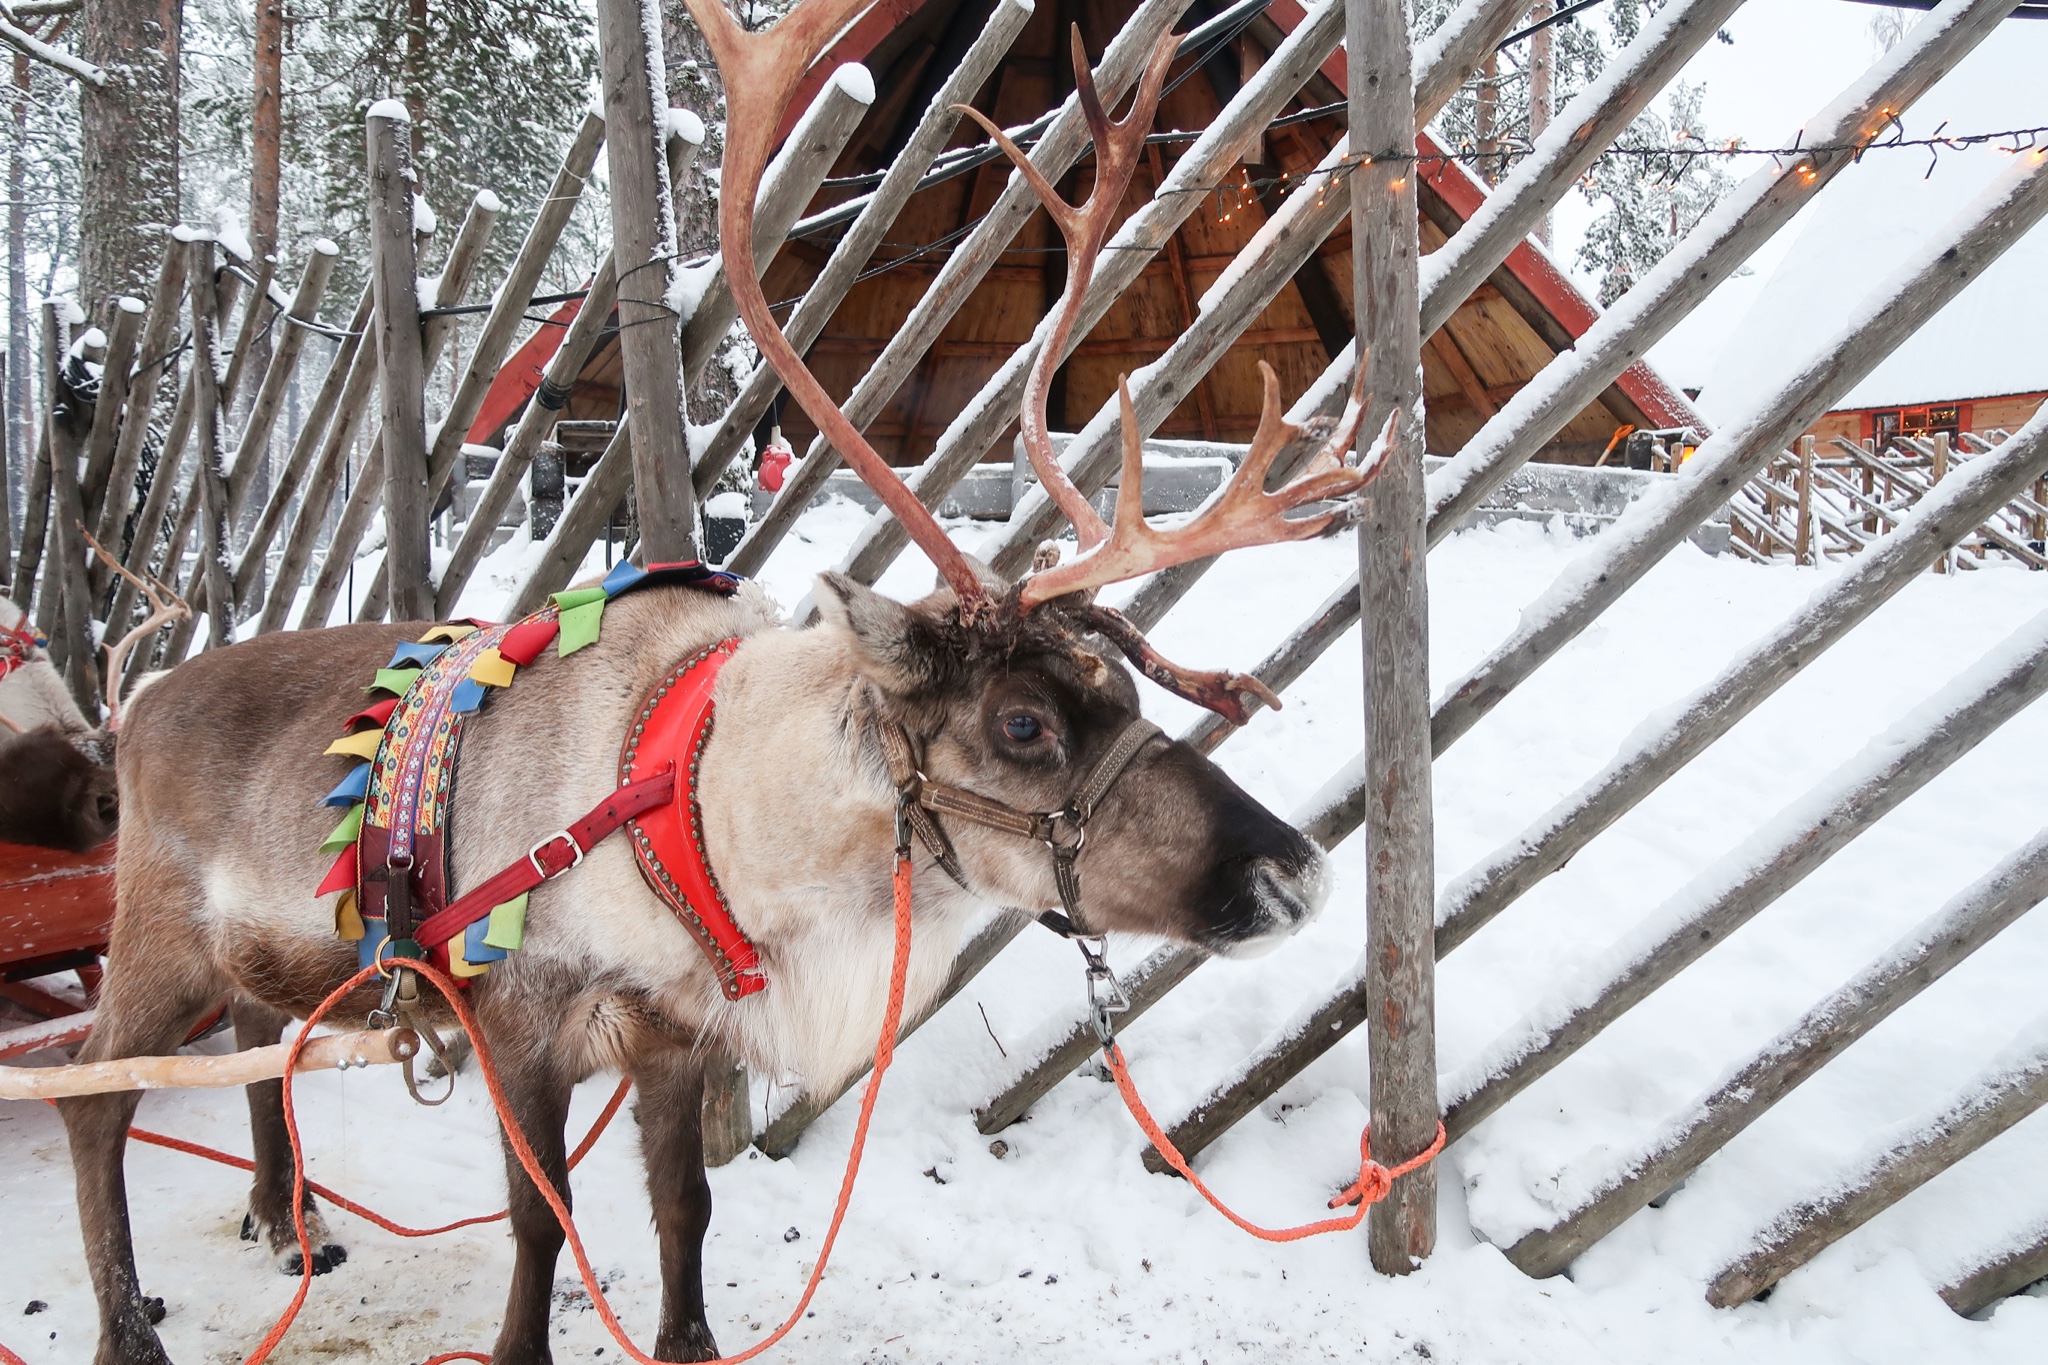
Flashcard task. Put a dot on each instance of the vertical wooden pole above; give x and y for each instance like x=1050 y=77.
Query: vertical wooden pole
x=401 y=367
x=1802 y=537
x=1947 y=562
x=64 y=572
x=207 y=474
x=1394 y=600
x=644 y=247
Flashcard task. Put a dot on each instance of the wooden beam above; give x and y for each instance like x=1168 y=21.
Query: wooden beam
x=285 y=351
x=1647 y=762
x=1065 y=138
x=1750 y=216
x=1919 y=959
x=1445 y=348
x=1783 y=852
x=464 y=254
x=116 y=376
x=645 y=253
x=235 y=1068
x=209 y=479
x=853 y=251
x=501 y=327
x=1400 y=983
x=1998 y=1275
x=1992 y=1103
x=401 y=364
x=1141 y=237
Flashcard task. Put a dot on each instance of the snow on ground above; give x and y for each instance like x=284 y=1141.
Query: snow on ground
x=1067 y=1246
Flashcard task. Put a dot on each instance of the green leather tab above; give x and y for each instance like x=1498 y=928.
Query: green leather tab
x=345 y=833
x=394 y=679
x=580 y=624
x=507 y=927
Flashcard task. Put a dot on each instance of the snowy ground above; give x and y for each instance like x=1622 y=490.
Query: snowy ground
x=1068 y=1247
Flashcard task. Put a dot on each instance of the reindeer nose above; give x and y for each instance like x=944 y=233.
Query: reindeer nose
x=1288 y=893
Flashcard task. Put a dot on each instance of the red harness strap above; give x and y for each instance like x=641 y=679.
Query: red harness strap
x=549 y=858
x=18 y=645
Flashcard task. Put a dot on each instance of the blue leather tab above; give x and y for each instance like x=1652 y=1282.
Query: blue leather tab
x=466 y=697
x=374 y=937
x=414 y=655
x=351 y=789
x=474 y=949
x=624 y=575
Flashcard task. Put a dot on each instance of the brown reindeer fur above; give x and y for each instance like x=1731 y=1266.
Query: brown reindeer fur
x=221 y=775
x=52 y=795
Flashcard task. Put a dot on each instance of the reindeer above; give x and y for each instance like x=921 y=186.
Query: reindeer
x=57 y=786
x=994 y=697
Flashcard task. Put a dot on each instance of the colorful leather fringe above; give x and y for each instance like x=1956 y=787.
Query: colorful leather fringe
x=405 y=746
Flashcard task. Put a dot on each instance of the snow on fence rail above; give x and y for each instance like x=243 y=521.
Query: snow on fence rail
x=1899 y=511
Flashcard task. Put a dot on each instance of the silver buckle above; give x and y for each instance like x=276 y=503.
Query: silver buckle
x=576 y=849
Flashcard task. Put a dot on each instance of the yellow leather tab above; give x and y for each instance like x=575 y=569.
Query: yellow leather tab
x=493 y=669
x=361 y=744
x=451 y=633
x=460 y=967
x=348 y=921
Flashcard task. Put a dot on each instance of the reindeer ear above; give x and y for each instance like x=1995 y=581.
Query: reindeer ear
x=900 y=648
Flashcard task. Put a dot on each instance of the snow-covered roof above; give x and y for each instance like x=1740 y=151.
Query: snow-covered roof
x=1991 y=339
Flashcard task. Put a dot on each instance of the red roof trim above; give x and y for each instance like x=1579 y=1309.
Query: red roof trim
x=859 y=40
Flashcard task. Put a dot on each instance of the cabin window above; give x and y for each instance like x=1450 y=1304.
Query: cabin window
x=1884 y=429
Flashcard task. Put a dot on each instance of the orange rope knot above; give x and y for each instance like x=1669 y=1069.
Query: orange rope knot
x=1373 y=1183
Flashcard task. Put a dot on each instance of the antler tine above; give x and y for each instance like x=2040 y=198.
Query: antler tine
x=165 y=607
x=1086 y=227
x=1242 y=515
x=761 y=72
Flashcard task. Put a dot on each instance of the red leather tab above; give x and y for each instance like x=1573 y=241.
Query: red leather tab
x=342 y=876
x=375 y=715
x=524 y=642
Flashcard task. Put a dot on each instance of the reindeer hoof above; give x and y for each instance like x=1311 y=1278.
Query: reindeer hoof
x=153 y=1309
x=324 y=1260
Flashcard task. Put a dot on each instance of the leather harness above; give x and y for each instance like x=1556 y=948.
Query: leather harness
x=18 y=645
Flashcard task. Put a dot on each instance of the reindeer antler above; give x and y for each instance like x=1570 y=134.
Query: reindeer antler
x=1119 y=143
x=761 y=72
x=165 y=607
x=1244 y=514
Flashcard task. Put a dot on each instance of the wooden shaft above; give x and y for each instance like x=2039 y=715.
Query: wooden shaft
x=341 y=406
x=116 y=377
x=65 y=591
x=285 y=350
x=401 y=364
x=153 y=357
x=1944 y=562
x=1584 y=129
x=785 y=1128
x=2003 y=1273
x=464 y=254
x=1802 y=537
x=338 y=1050
x=1066 y=137
x=645 y=250
x=1915 y=962
x=165 y=481
x=1754 y=875
x=536 y=424
x=35 y=523
x=207 y=474
x=853 y=251
x=581 y=522
x=1222 y=145
x=1993 y=1103
x=501 y=327
x=1476 y=896
x=1731 y=457
x=789 y=183
x=1400 y=984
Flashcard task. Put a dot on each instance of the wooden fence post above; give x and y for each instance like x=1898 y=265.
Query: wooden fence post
x=1946 y=561
x=1394 y=597
x=209 y=479
x=401 y=364
x=1802 y=538
x=644 y=248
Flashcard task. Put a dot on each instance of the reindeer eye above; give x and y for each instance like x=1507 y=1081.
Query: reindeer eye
x=1021 y=728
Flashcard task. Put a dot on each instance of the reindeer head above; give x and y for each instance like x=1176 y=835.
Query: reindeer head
x=1001 y=682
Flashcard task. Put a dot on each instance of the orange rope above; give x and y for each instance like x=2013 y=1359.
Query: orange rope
x=885 y=1049
x=1374 y=1180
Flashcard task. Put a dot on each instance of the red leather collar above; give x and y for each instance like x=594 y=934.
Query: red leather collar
x=672 y=727
x=18 y=645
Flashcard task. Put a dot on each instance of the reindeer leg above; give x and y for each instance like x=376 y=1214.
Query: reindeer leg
x=141 y=1013
x=269 y=1219
x=670 y=1113
x=538 y=1092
